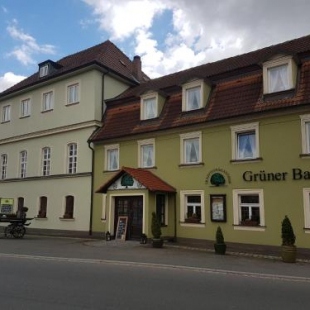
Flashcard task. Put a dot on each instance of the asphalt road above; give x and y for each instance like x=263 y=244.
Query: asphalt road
x=59 y=273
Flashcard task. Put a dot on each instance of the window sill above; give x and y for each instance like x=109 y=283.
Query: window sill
x=307 y=230
x=198 y=225
x=3 y=122
x=241 y=161
x=24 y=116
x=249 y=228
x=191 y=165
x=45 y=111
x=72 y=103
x=288 y=93
x=306 y=155
x=40 y=218
x=67 y=219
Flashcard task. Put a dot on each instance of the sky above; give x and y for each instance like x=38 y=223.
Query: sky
x=169 y=35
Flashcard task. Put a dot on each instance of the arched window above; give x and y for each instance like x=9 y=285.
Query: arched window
x=69 y=208
x=42 y=207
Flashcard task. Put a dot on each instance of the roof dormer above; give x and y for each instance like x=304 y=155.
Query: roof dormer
x=151 y=105
x=279 y=74
x=47 y=67
x=195 y=94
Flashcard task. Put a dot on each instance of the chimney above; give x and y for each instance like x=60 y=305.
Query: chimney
x=137 y=71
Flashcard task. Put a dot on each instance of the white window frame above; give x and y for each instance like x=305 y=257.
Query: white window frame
x=240 y=129
x=43 y=70
x=48 y=101
x=104 y=207
x=306 y=198
x=143 y=110
x=141 y=145
x=73 y=93
x=183 y=139
x=6 y=113
x=280 y=61
x=305 y=133
x=25 y=107
x=107 y=152
x=183 y=206
x=188 y=86
x=4 y=166
x=23 y=164
x=72 y=153
x=237 y=208
x=46 y=161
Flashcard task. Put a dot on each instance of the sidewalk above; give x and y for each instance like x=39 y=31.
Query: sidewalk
x=246 y=250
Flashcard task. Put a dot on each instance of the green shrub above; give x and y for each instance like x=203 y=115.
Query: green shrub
x=219 y=235
x=288 y=236
x=156 y=227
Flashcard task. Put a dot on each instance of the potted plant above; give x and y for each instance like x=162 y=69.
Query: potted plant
x=219 y=245
x=192 y=219
x=288 y=249
x=157 y=241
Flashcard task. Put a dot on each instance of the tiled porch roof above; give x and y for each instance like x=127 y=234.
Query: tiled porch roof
x=152 y=182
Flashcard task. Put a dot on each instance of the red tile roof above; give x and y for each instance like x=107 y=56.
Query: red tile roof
x=105 y=55
x=237 y=90
x=152 y=182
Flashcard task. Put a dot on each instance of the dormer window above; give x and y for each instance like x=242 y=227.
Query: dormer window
x=279 y=74
x=43 y=70
x=151 y=105
x=194 y=95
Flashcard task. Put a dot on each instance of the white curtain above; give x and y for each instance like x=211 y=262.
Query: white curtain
x=191 y=151
x=246 y=146
x=193 y=98
x=278 y=78
x=147 y=153
x=150 y=110
x=113 y=160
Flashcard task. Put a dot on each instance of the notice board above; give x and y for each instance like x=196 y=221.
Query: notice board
x=121 y=227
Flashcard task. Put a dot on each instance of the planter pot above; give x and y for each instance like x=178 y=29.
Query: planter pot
x=220 y=248
x=157 y=243
x=288 y=253
x=192 y=220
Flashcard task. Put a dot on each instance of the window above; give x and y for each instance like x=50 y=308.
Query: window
x=25 y=108
x=305 y=133
x=161 y=208
x=72 y=158
x=69 y=207
x=194 y=95
x=48 y=101
x=20 y=205
x=192 y=206
x=149 y=108
x=6 y=113
x=23 y=163
x=191 y=148
x=43 y=70
x=43 y=207
x=248 y=208
x=279 y=74
x=73 y=93
x=245 y=145
x=306 y=194
x=46 y=161
x=146 y=153
x=4 y=166
x=112 y=157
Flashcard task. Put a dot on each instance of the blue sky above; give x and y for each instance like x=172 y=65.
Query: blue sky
x=169 y=35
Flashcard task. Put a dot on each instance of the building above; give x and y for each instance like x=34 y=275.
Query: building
x=225 y=143
x=46 y=120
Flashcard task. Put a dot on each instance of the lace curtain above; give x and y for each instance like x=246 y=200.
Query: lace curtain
x=278 y=78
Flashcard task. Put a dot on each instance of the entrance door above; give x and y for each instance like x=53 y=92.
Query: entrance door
x=131 y=206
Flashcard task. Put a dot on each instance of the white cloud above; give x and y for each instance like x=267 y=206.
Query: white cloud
x=9 y=79
x=200 y=31
x=28 y=45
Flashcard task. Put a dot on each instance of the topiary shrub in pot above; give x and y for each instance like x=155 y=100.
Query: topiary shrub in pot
x=219 y=245
x=157 y=241
x=288 y=249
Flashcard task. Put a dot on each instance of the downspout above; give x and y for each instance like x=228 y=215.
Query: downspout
x=175 y=217
x=90 y=232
